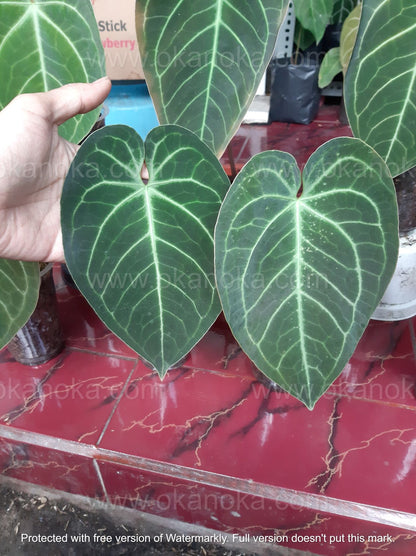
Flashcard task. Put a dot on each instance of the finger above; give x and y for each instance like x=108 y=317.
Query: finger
x=76 y=98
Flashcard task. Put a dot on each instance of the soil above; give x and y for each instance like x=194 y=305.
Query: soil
x=24 y=513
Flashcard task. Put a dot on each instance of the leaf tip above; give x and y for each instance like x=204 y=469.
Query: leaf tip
x=162 y=373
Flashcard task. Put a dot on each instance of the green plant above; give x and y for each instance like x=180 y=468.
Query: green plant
x=203 y=62
x=42 y=45
x=380 y=88
x=338 y=58
x=301 y=260
x=312 y=18
x=341 y=10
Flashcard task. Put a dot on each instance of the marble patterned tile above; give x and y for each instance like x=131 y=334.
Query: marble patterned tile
x=250 y=517
x=217 y=416
x=82 y=328
x=70 y=397
x=50 y=468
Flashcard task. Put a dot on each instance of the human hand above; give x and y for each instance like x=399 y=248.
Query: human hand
x=34 y=161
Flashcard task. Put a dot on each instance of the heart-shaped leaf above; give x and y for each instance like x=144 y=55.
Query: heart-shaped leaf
x=314 y=15
x=143 y=254
x=300 y=273
x=19 y=286
x=44 y=45
x=203 y=60
x=380 y=85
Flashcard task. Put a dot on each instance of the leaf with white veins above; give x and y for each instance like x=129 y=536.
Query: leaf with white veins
x=143 y=254
x=380 y=85
x=19 y=286
x=300 y=274
x=48 y=43
x=203 y=60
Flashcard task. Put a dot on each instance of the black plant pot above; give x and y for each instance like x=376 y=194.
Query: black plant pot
x=295 y=95
x=332 y=36
x=40 y=339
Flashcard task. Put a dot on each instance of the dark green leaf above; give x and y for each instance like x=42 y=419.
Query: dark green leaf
x=380 y=85
x=19 y=286
x=45 y=44
x=303 y=38
x=299 y=276
x=141 y=254
x=203 y=60
x=330 y=67
x=314 y=15
x=341 y=10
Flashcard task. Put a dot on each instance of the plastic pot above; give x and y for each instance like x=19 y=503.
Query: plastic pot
x=399 y=300
x=294 y=95
x=40 y=339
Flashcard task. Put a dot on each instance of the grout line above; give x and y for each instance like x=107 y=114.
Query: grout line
x=290 y=497
x=107 y=423
x=101 y=480
x=101 y=353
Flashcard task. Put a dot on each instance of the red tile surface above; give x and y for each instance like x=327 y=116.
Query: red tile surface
x=84 y=330
x=204 y=421
x=217 y=428
x=45 y=399
x=243 y=514
x=44 y=466
x=297 y=139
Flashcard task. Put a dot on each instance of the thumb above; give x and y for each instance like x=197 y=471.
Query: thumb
x=77 y=98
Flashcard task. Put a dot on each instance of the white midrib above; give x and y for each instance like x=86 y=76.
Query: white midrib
x=152 y=235
x=298 y=226
x=39 y=45
x=217 y=24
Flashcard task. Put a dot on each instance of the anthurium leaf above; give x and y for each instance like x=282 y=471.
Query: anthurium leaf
x=203 y=60
x=300 y=273
x=142 y=254
x=349 y=36
x=19 y=286
x=330 y=67
x=303 y=38
x=380 y=85
x=45 y=44
x=341 y=10
x=314 y=15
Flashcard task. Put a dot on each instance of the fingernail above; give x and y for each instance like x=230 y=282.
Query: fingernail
x=102 y=79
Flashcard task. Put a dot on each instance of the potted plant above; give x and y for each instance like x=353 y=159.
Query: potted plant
x=42 y=45
x=336 y=60
x=301 y=260
x=381 y=111
x=283 y=254
x=399 y=301
x=295 y=94
x=340 y=11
